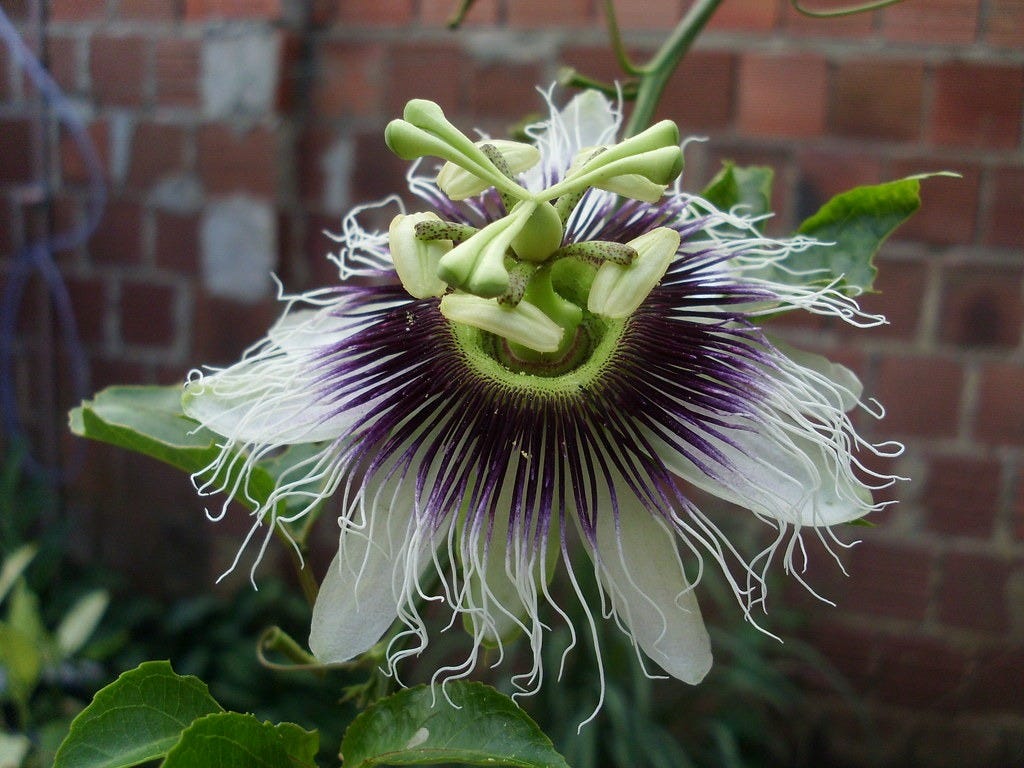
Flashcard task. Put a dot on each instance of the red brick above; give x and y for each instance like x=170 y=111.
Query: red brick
x=982 y=306
x=1005 y=23
x=700 y=94
x=224 y=328
x=857 y=25
x=891 y=580
x=920 y=672
x=149 y=10
x=348 y=79
x=118 y=238
x=77 y=10
x=921 y=396
x=177 y=72
x=849 y=650
x=16 y=10
x=746 y=15
x=544 y=13
x=197 y=10
x=900 y=287
x=16 y=143
x=647 y=14
x=177 y=242
x=1004 y=225
x=1001 y=407
x=425 y=71
x=973 y=592
x=949 y=206
x=782 y=95
x=156 y=151
x=823 y=174
x=231 y=161
x=505 y=90
x=439 y=12
x=961 y=496
x=375 y=12
x=995 y=684
x=89 y=301
x=62 y=62
x=948 y=22
x=977 y=105
x=148 y=314
x=313 y=146
x=878 y=100
x=118 y=66
x=73 y=164
x=1017 y=504
x=378 y=172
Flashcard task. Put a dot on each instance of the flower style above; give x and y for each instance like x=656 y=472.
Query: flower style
x=554 y=353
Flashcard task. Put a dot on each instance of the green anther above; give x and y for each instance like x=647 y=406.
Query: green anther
x=597 y=252
x=495 y=156
x=540 y=236
x=444 y=230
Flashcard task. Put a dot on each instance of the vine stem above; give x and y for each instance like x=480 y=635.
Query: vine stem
x=655 y=74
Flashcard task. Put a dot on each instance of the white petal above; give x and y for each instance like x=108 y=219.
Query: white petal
x=271 y=396
x=364 y=585
x=797 y=483
x=640 y=569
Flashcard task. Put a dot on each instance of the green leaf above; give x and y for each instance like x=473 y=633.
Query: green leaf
x=81 y=621
x=149 y=420
x=747 y=186
x=14 y=565
x=851 y=227
x=419 y=726
x=138 y=717
x=234 y=740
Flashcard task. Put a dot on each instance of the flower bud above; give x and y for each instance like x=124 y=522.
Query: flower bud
x=416 y=260
x=617 y=290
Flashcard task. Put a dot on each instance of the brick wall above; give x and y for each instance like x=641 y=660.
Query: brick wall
x=248 y=128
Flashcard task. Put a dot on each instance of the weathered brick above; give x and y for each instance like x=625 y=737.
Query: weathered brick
x=73 y=165
x=1000 y=417
x=504 y=90
x=348 y=79
x=977 y=105
x=377 y=172
x=982 y=306
x=118 y=68
x=961 y=495
x=701 y=93
x=878 y=100
x=118 y=237
x=77 y=10
x=148 y=314
x=1005 y=23
x=947 y=22
x=1003 y=224
x=648 y=14
x=426 y=71
x=949 y=206
x=176 y=65
x=886 y=579
x=782 y=94
x=921 y=395
x=230 y=160
x=374 y=12
x=438 y=12
x=746 y=15
x=199 y=10
x=851 y=651
x=149 y=10
x=542 y=13
x=973 y=594
x=156 y=150
x=62 y=62
x=177 y=241
x=89 y=302
x=920 y=672
x=995 y=684
x=898 y=296
x=16 y=141
x=823 y=174
x=1017 y=504
x=224 y=328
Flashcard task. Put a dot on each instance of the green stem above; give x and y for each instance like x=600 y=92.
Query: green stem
x=616 y=39
x=848 y=10
x=655 y=74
